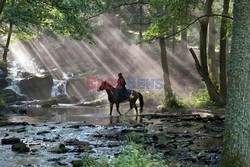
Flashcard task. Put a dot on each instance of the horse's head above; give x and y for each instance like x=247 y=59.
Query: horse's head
x=104 y=86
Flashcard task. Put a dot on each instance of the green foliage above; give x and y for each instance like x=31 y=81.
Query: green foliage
x=171 y=102
x=66 y=17
x=201 y=100
x=132 y=155
x=169 y=13
x=1 y=100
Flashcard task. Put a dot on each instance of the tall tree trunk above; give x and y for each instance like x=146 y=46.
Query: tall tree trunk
x=213 y=68
x=6 y=49
x=223 y=54
x=203 y=36
x=141 y=26
x=2 y=3
x=164 y=63
x=174 y=40
x=237 y=134
x=183 y=48
x=212 y=91
x=184 y=37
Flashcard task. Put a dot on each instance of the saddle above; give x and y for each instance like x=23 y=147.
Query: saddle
x=122 y=94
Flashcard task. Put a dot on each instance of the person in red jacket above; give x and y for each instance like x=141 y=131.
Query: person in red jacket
x=121 y=91
x=121 y=83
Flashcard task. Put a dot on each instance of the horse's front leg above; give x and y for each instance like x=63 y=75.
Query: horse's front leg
x=111 y=108
x=117 y=108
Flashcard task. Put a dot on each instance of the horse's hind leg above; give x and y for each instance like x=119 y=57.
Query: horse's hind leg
x=111 y=108
x=131 y=106
x=136 y=109
x=117 y=108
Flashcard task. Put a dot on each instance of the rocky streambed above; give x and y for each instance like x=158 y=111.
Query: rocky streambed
x=56 y=137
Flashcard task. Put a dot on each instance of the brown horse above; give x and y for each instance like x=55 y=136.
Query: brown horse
x=113 y=99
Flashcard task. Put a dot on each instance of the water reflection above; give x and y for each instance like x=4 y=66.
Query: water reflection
x=79 y=115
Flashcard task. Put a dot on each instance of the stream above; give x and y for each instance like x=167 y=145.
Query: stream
x=187 y=139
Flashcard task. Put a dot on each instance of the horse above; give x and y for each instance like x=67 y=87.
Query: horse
x=113 y=99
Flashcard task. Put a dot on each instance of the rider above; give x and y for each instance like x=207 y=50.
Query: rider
x=121 y=83
x=121 y=90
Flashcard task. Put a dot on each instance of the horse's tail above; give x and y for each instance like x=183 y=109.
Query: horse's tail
x=141 y=101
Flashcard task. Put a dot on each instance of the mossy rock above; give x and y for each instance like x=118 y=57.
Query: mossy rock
x=59 y=99
x=21 y=130
x=59 y=150
x=95 y=102
x=48 y=103
x=43 y=132
x=77 y=163
x=10 y=96
x=4 y=123
x=20 y=148
x=10 y=141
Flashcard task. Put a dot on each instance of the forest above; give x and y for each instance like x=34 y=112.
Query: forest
x=115 y=83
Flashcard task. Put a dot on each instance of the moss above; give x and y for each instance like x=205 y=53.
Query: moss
x=231 y=159
x=49 y=103
x=77 y=163
x=59 y=150
x=96 y=102
x=20 y=148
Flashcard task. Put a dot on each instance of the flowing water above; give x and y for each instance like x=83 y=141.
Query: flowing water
x=188 y=139
x=58 y=125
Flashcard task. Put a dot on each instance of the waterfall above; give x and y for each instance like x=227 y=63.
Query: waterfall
x=17 y=73
x=59 y=86
x=14 y=78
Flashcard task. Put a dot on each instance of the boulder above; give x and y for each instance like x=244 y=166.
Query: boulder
x=77 y=163
x=20 y=148
x=24 y=74
x=10 y=140
x=64 y=99
x=48 y=103
x=61 y=149
x=37 y=87
x=42 y=132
